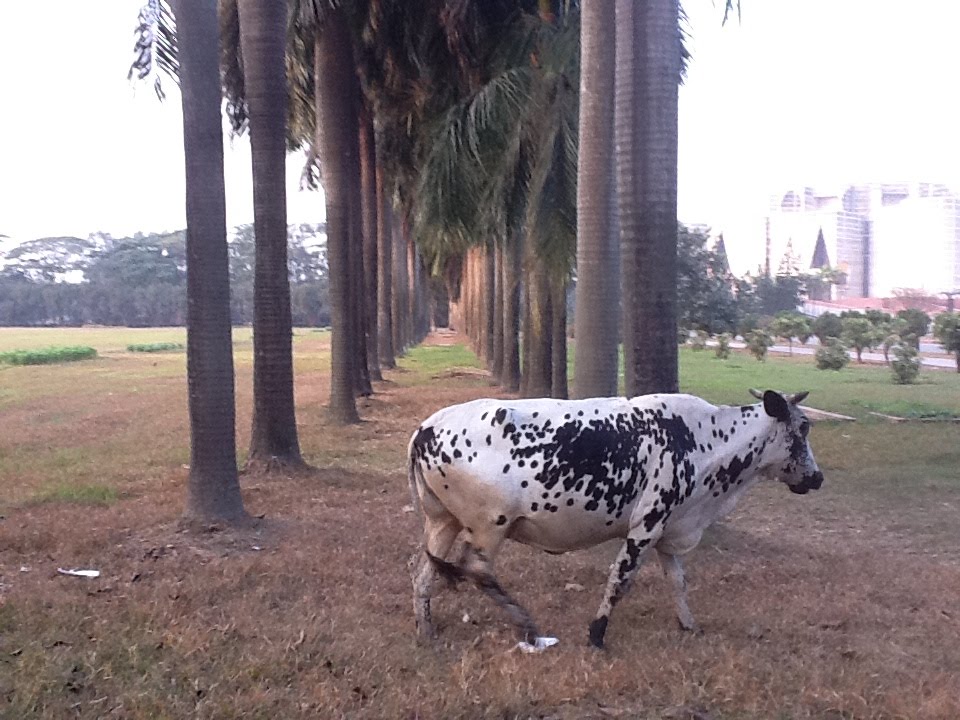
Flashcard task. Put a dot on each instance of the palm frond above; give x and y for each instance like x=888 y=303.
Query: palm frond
x=155 y=47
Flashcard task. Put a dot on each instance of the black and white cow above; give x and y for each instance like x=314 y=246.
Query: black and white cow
x=560 y=475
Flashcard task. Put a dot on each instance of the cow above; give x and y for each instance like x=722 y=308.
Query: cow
x=563 y=475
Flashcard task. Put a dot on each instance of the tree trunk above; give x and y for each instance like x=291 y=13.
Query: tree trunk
x=384 y=273
x=489 y=302
x=496 y=368
x=598 y=287
x=263 y=43
x=411 y=305
x=213 y=490
x=537 y=379
x=400 y=287
x=358 y=311
x=647 y=80
x=336 y=98
x=512 y=263
x=368 y=180
x=441 y=302
x=558 y=363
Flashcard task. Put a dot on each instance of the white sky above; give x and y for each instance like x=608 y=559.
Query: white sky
x=813 y=92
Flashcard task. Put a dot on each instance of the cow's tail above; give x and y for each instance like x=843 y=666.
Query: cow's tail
x=415 y=478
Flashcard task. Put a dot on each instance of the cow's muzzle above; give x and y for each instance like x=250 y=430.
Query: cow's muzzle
x=809 y=482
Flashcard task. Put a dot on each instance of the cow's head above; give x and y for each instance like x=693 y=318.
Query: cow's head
x=793 y=460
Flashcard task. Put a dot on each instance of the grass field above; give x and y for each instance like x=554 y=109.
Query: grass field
x=841 y=604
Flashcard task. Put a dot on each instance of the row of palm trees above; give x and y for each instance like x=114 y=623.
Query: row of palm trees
x=447 y=135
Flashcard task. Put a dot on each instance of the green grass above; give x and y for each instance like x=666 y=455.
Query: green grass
x=855 y=390
x=154 y=347
x=77 y=494
x=48 y=356
x=425 y=363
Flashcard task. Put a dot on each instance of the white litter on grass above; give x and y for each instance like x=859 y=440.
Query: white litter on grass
x=80 y=573
x=539 y=645
x=24 y=568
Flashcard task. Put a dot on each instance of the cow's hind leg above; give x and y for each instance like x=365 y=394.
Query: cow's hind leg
x=622 y=572
x=673 y=570
x=478 y=566
x=439 y=533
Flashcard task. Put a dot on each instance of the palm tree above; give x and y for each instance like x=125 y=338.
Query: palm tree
x=649 y=50
x=262 y=44
x=370 y=203
x=384 y=270
x=598 y=289
x=213 y=490
x=336 y=97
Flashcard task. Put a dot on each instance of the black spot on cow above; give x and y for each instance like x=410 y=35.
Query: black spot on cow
x=502 y=520
x=506 y=468
x=523 y=483
x=445 y=458
x=489 y=440
x=457 y=454
x=499 y=417
x=569 y=501
x=533 y=507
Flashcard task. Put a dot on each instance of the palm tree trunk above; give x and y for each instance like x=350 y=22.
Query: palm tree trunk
x=512 y=263
x=384 y=273
x=213 y=490
x=400 y=287
x=489 y=302
x=411 y=305
x=598 y=289
x=496 y=368
x=558 y=364
x=263 y=43
x=336 y=97
x=648 y=75
x=368 y=180
x=358 y=313
x=537 y=377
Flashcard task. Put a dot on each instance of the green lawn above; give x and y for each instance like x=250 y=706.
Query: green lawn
x=855 y=390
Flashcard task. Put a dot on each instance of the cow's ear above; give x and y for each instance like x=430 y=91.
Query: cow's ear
x=776 y=405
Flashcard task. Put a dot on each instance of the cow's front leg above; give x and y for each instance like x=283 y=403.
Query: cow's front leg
x=622 y=572
x=673 y=570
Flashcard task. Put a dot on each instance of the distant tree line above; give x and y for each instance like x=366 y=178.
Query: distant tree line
x=140 y=281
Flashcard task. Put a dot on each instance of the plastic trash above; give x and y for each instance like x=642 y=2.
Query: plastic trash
x=80 y=573
x=538 y=646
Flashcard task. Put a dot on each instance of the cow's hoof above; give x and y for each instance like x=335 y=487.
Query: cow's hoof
x=598 y=629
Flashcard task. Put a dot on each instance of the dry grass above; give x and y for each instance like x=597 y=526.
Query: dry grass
x=841 y=604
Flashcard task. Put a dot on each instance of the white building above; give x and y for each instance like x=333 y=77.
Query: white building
x=883 y=236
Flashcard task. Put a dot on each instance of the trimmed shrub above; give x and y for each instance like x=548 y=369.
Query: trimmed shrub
x=906 y=364
x=48 y=356
x=758 y=343
x=722 y=350
x=832 y=355
x=154 y=347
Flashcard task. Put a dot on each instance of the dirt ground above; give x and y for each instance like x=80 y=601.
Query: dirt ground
x=812 y=607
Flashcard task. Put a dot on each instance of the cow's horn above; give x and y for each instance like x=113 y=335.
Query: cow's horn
x=799 y=397
x=756 y=393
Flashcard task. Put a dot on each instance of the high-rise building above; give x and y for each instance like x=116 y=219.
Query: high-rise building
x=883 y=237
